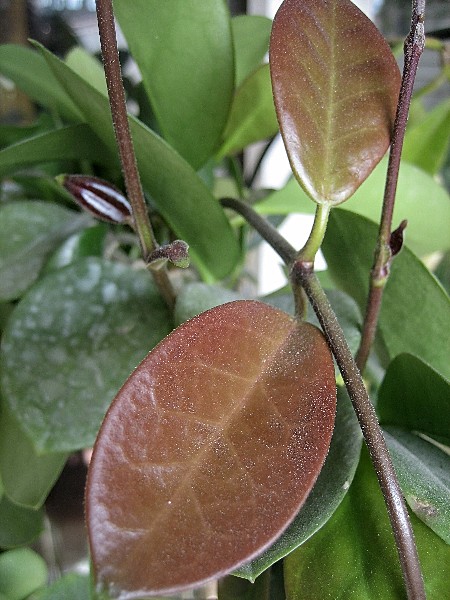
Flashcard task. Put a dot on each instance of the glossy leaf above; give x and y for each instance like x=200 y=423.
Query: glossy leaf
x=75 y=142
x=336 y=86
x=214 y=441
x=184 y=52
x=251 y=34
x=22 y=571
x=30 y=72
x=414 y=396
x=413 y=186
x=252 y=116
x=412 y=295
x=27 y=478
x=29 y=232
x=88 y=242
x=176 y=190
x=354 y=555
x=427 y=143
x=423 y=471
x=70 y=344
x=88 y=67
x=328 y=492
x=18 y=525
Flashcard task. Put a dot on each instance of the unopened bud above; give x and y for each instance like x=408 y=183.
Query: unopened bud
x=98 y=197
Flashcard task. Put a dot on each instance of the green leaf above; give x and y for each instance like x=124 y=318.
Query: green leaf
x=18 y=525
x=195 y=298
x=415 y=311
x=426 y=144
x=88 y=242
x=71 y=343
x=413 y=186
x=29 y=232
x=328 y=492
x=75 y=142
x=251 y=35
x=216 y=439
x=414 y=396
x=423 y=471
x=354 y=555
x=184 y=52
x=176 y=190
x=27 y=478
x=252 y=116
x=30 y=72
x=22 y=571
x=233 y=588
x=88 y=67
x=70 y=587
x=335 y=84
x=11 y=134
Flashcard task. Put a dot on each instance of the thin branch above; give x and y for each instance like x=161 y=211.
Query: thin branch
x=373 y=435
x=281 y=246
x=116 y=93
x=414 y=45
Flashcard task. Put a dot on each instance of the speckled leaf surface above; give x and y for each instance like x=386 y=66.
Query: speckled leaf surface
x=328 y=491
x=29 y=232
x=70 y=344
x=423 y=472
x=213 y=443
x=336 y=86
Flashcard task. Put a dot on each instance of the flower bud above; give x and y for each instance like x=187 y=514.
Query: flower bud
x=98 y=197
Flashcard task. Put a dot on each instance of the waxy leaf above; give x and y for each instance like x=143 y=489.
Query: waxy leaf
x=414 y=396
x=29 y=232
x=184 y=51
x=423 y=472
x=69 y=345
x=336 y=86
x=251 y=35
x=18 y=525
x=354 y=555
x=209 y=449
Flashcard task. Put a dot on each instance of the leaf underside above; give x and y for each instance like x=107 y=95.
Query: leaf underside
x=336 y=85
x=209 y=449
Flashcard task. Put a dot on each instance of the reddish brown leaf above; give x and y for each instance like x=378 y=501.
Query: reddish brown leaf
x=209 y=449
x=336 y=85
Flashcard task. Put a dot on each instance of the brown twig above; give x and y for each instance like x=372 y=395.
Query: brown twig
x=414 y=45
x=116 y=93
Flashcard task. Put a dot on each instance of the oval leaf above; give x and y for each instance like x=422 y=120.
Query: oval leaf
x=69 y=345
x=214 y=441
x=336 y=86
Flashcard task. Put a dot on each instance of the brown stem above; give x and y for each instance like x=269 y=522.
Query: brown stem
x=414 y=45
x=303 y=275
x=116 y=93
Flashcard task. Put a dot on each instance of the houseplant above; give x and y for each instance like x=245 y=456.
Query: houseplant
x=84 y=321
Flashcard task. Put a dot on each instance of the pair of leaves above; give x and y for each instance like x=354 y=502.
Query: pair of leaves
x=216 y=439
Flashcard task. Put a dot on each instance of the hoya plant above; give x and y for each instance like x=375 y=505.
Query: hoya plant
x=290 y=446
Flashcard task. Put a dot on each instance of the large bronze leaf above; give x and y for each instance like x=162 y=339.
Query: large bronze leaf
x=209 y=449
x=336 y=85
